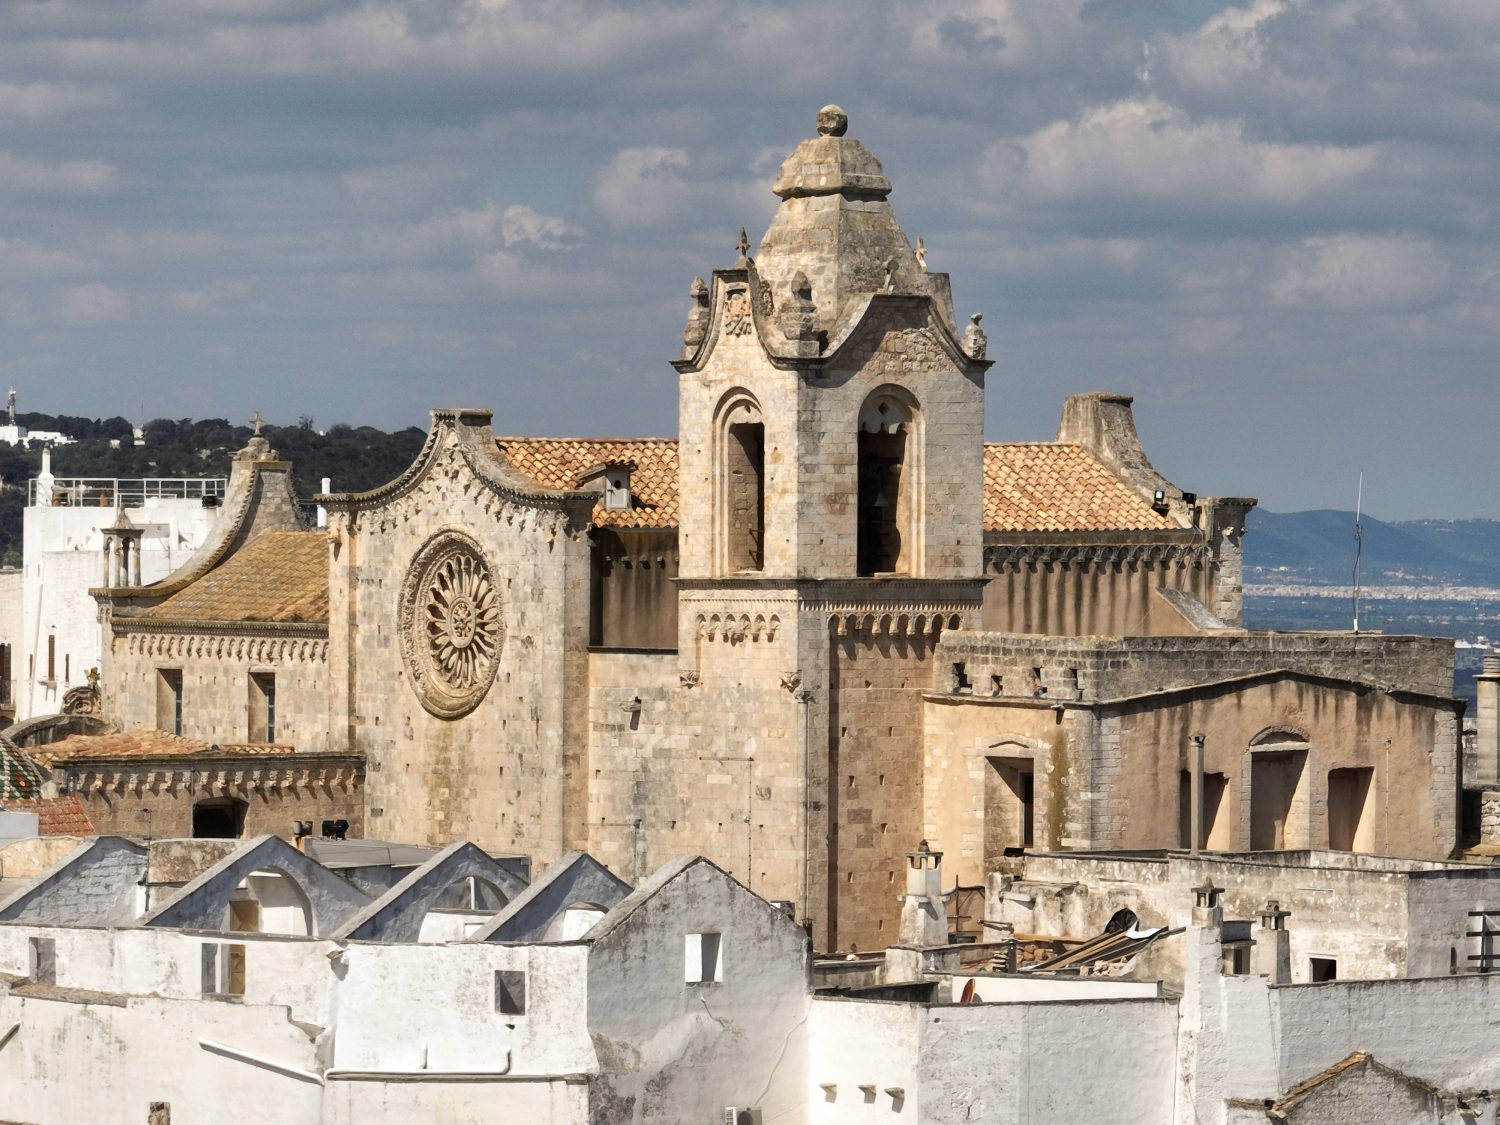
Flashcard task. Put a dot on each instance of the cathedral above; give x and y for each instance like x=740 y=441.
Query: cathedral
x=827 y=622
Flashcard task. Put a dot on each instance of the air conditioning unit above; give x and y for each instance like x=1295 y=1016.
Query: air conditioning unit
x=741 y=1115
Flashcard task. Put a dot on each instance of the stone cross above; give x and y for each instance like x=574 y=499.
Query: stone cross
x=743 y=246
x=257 y=422
x=1272 y=917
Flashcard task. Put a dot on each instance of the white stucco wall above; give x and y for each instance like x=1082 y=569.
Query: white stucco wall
x=854 y=1043
x=74 y=1061
x=448 y=1021
x=1037 y=1064
x=294 y=973
x=63 y=556
x=454 y=1100
x=672 y=1051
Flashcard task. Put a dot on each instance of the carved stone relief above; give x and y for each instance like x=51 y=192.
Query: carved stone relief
x=452 y=625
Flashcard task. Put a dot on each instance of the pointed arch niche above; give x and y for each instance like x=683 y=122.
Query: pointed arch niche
x=890 y=484
x=740 y=485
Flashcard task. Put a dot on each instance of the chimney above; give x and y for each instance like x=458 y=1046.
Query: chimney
x=924 y=909
x=1271 y=956
x=1487 y=720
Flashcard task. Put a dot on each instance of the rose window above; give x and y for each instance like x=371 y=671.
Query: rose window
x=453 y=627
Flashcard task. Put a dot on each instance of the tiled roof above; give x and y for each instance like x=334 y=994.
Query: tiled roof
x=146 y=743
x=19 y=775
x=57 y=816
x=1028 y=486
x=558 y=463
x=279 y=576
x=1056 y=486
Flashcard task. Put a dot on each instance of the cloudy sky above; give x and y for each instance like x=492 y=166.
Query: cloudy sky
x=1274 y=224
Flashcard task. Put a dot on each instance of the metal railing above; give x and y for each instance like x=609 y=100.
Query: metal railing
x=109 y=492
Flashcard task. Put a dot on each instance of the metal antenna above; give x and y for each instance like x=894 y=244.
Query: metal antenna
x=1359 y=544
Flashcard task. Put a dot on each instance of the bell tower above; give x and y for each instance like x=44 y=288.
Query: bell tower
x=831 y=416
x=831 y=527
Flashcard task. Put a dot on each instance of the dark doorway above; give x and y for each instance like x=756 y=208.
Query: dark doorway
x=219 y=818
x=746 y=456
x=881 y=460
x=1009 y=806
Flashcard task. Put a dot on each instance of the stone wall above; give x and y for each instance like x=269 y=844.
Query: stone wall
x=633 y=600
x=218 y=703
x=709 y=761
x=1083 y=589
x=1113 y=666
x=508 y=772
x=875 y=770
x=1111 y=776
x=276 y=792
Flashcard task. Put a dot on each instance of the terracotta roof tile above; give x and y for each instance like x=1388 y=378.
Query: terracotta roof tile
x=279 y=576
x=1056 y=486
x=1028 y=486
x=559 y=462
x=57 y=816
x=146 y=743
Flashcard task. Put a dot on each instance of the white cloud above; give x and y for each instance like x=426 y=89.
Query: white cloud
x=1147 y=149
x=519 y=224
x=1351 y=273
x=642 y=187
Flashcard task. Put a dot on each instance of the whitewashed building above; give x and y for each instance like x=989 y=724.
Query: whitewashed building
x=49 y=626
x=243 y=981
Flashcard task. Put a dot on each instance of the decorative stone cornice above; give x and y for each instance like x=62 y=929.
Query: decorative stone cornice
x=125 y=626
x=286 y=774
x=467 y=432
x=1015 y=557
x=274 y=648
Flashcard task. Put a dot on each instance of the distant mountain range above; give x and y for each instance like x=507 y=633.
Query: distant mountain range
x=1317 y=549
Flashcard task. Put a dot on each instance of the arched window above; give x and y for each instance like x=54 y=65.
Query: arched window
x=888 y=485
x=741 y=516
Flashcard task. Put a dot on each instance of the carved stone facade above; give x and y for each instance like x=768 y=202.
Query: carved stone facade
x=827 y=622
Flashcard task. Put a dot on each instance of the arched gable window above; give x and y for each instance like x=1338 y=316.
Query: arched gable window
x=740 y=516
x=888 y=485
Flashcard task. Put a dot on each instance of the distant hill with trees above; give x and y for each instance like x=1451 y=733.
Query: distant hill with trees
x=353 y=457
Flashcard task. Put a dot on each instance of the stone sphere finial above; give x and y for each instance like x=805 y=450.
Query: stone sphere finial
x=832 y=121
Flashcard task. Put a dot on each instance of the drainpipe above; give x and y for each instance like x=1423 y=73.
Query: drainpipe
x=1195 y=800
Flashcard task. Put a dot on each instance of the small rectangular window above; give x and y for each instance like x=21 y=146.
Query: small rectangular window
x=1322 y=969
x=51 y=657
x=43 y=960
x=510 y=992
x=961 y=684
x=234 y=970
x=222 y=969
x=169 y=699
x=262 y=707
x=703 y=962
x=209 y=973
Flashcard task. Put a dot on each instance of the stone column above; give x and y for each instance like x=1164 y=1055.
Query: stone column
x=1487 y=719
